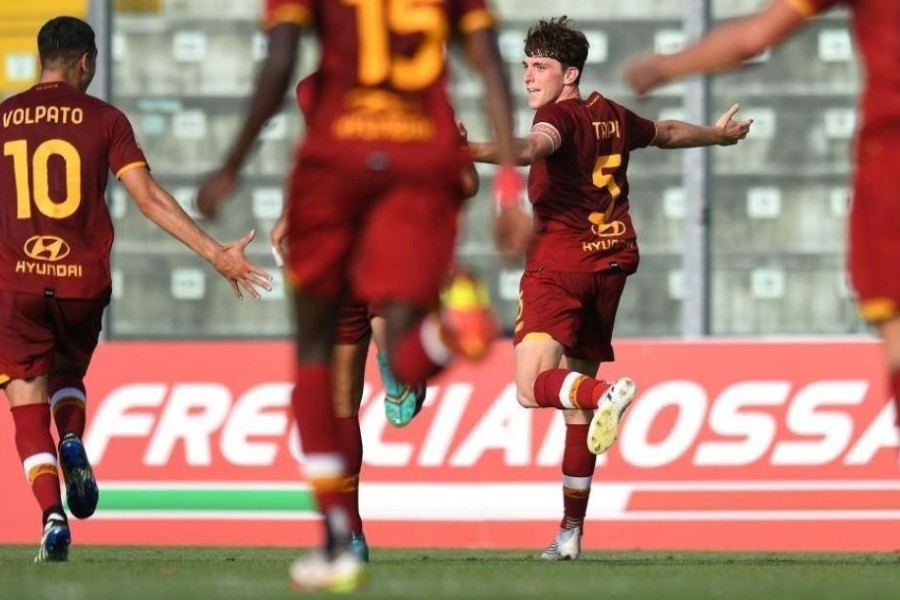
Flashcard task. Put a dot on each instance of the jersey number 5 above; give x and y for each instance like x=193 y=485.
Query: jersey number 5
x=40 y=163
x=376 y=62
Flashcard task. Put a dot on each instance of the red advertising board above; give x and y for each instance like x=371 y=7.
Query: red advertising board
x=729 y=445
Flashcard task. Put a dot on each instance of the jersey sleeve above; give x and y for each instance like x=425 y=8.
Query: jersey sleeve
x=124 y=152
x=639 y=132
x=555 y=123
x=472 y=15
x=278 y=12
x=810 y=8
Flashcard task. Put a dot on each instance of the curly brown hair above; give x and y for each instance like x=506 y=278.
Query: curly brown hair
x=557 y=40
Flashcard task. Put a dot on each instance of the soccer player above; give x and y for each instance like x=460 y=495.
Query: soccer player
x=356 y=326
x=874 y=230
x=584 y=249
x=380 y=163
x=55 y=238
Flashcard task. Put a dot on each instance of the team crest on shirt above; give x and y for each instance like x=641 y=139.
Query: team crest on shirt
x=46 y=247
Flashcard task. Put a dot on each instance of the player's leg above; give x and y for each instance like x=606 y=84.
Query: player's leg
x=319 y=243
x=577 y=474
x=402 y=401
x=550 y=316
x=348 y=366
x=77 y=323
x=404 y=285
x=26 y=354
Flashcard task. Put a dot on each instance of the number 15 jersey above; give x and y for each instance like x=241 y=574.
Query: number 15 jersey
x=55 y=231
x=382 y=101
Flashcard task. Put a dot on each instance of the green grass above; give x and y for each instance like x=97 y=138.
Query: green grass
x=123 y=573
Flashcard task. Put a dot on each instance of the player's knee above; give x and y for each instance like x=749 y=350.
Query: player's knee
x=525 y=395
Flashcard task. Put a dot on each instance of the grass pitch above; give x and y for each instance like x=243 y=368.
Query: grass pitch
x=123 y=573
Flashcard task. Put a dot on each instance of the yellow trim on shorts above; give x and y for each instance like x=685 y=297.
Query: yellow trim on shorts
x=288 y=13
x=804 y=7
x=475 y=20
x=878 y=309
x=536 y=336
x=129 y=167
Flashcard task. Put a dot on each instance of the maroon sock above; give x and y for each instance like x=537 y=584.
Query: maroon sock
x=350 y=439
x=411 y=360
x=38 y=453
x=67 y=401
x=325 y=467
x=577 y=469
x=579 y=391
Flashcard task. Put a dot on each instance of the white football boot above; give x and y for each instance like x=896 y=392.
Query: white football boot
x=604 y=427
x=315 y=573
x=566 y=545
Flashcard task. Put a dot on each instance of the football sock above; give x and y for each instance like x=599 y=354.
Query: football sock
x=421 y=353
x=38 y=453
x=324 y=464
x=578 y=470
x=565 y=389
x=67 y=401
x=350 y=440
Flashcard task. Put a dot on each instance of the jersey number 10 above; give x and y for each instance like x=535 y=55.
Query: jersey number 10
x=377 y=64
x=40 y=164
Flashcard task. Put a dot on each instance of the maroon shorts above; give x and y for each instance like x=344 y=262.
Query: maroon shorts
x=372 y=234
x=353 y=323
x=874 y=245
x=578 y=310
x=34 y=330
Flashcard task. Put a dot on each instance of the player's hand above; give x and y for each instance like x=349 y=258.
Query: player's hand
x=231 y=262
x=732 y=131
x=645 y=73
x=278 y=236
x=214 y=191
x=463 y=132
x=513 y=227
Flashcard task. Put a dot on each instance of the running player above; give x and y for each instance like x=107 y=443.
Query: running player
x=585 y=248
x=59 y=144
x=874 y=229
x=381 y=162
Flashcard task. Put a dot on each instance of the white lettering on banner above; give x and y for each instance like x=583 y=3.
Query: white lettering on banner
x=551 y=452
x=882 y=433
x=757 y=429
x=446 y=423
x=249 y=418
x=181 y=421
x=833 y=430
x=378 y=452
x=741 y=426
x=634 y=444
x=113 y=419
x=504 y=426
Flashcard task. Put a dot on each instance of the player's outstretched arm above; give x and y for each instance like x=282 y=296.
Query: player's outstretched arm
x=526 y=151
x=268 y=94
x=726 y=132
x=724 y=47
x=512 y=227
x=228 y=259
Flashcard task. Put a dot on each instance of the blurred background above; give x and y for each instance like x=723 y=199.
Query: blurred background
x=740 y=241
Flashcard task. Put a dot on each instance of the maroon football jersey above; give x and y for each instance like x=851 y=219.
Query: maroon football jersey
x=876 y=27
x=580 y=191
x=59 y=145
x=381 y=100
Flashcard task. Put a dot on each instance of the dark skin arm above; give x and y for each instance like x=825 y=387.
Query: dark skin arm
x=271 y=86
